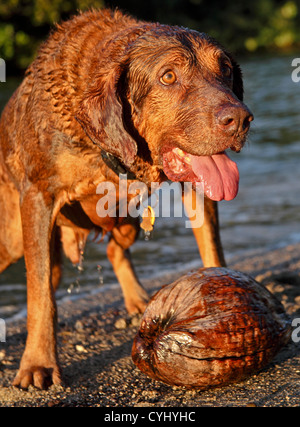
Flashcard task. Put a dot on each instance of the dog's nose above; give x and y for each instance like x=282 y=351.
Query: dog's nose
x=234 y=119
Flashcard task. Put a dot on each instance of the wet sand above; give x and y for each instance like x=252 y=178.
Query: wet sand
x=95 y=338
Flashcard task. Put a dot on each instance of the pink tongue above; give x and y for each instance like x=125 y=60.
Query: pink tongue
x=219 y=175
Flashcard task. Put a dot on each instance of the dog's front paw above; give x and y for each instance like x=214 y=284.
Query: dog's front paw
x=137 y=302
x=38 y=376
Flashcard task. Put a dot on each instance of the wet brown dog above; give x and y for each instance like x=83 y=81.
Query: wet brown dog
x=107 y=93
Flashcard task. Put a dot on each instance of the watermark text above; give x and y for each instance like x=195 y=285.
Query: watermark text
x=132 y=199
x=2 y=71
x=296 y=331
x=2 y=330
x=296 y=71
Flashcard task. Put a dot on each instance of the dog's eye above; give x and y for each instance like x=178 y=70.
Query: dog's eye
x=226 y=70
x=168 y=78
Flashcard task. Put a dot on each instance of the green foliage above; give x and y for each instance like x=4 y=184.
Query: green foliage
x=240 y=25
x=25 y=23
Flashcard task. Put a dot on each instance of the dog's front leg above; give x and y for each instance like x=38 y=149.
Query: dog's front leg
x=39 y=365
x=208 y=235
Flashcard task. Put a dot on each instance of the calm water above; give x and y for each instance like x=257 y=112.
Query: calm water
x=265 y=214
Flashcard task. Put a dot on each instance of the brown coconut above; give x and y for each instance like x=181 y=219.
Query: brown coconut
x=210 y=328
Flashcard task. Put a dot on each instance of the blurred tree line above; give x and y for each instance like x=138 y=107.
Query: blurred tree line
x=241 y=25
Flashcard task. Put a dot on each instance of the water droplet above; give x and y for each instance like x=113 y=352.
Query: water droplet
x=81 y=245
x=147 y=235
x=74 y=287
x=101 y=279
x=79 y=267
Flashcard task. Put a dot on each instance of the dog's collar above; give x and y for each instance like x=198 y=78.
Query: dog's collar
x=116 y=165
x=111 y=161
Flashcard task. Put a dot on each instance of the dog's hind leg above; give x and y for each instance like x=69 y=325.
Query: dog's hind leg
x=56 y=261
x=135 y=296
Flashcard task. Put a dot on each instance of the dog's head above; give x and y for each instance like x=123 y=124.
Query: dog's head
x=180 y=92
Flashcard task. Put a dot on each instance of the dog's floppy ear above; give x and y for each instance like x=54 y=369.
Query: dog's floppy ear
x=101 y=116
x=101 y=111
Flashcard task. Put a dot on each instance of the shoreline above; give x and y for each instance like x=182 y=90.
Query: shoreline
x=95 y=337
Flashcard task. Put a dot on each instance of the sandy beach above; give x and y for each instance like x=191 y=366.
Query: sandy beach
x=95 y=338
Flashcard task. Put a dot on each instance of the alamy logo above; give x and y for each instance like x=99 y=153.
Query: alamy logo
x=2 y=70
x=132 y=200
x=296 y=71
x=296 y=331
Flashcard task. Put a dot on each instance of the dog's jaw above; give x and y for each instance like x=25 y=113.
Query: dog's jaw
x=218 y=173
